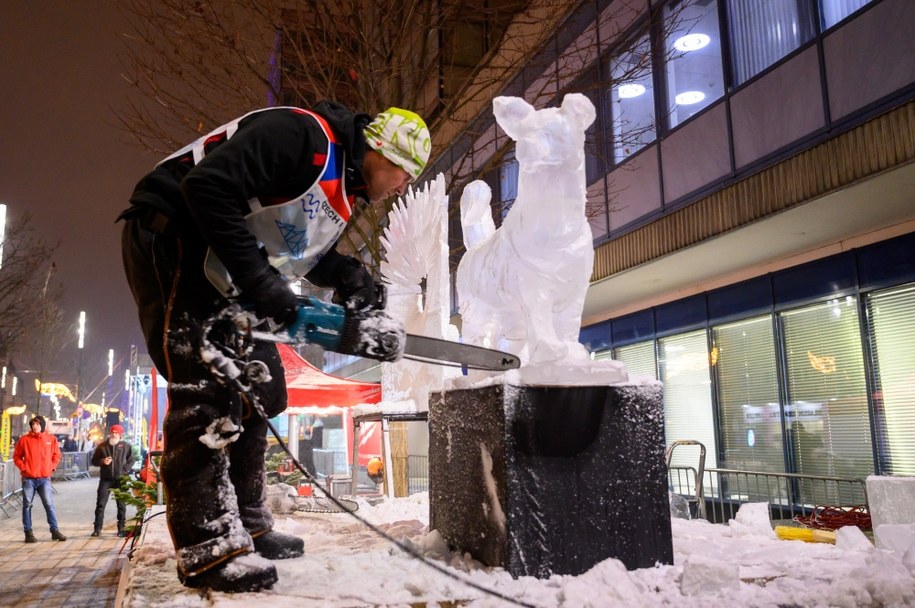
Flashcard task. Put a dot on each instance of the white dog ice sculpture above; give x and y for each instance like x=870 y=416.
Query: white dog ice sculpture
x=522 y=287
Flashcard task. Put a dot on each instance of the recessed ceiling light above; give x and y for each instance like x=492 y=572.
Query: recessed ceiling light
x=630 y=90
x=689 y=97
x=691 y=42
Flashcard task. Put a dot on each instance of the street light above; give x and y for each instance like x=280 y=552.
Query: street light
x=79 y=361
x=2 y=232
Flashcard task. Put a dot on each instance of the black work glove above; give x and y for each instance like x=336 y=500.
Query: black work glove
x=271 y=297
x=354 y=286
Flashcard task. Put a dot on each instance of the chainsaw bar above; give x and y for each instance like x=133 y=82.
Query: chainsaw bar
x=456 y=354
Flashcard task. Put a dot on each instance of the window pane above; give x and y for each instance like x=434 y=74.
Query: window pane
x=764 y=31
x=632 y=100
x=683 y=361
x=743 y=358
x=508 y=182
x=827 y=411
x=639 y=359
x=833 y=11
x=694 y=75
x=891 y=319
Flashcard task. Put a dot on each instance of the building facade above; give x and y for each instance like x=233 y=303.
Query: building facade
x=752 y=202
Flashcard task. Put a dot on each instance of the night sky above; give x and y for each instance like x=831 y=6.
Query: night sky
x=63 y=159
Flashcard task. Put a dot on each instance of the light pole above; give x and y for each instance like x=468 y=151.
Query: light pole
x=2 y=231
x=79 y=356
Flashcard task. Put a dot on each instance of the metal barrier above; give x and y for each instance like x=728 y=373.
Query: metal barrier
x=11 y=481
x=417 y=474
x=72 y=465
x=788 y=494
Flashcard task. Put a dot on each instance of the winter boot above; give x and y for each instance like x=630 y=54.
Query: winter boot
x=249 y=572
x=276 y=545
x=56 y=535
x=122 y=532
x=96 y=532
x=29 y=537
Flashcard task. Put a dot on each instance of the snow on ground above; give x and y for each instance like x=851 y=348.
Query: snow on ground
x=346 y=564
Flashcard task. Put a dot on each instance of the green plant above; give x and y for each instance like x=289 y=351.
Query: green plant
x=277 y=466
x=137 y=493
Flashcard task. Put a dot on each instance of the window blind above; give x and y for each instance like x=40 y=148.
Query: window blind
x=827 y=409
x=683 y=362
x=891 y=325
x=743 y=358
x=639 y=359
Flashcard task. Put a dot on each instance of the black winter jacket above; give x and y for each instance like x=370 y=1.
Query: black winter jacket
x=121 y=459
x=270 y=157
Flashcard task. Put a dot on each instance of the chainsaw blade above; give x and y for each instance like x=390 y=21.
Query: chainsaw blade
x=445 y=352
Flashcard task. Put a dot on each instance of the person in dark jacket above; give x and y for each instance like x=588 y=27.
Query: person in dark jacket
x=239 y=213
x=115 y=457
x=36 y=455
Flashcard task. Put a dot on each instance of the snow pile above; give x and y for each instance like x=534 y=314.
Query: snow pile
x=346 y=564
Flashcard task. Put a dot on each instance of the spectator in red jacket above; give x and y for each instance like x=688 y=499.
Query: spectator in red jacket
x=37 y=455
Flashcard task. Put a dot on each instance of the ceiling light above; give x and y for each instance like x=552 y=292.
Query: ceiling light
x=630 y=90
x=688 y=98
x=691 y=42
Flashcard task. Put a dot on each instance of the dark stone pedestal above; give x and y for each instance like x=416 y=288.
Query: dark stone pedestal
x=550 y=480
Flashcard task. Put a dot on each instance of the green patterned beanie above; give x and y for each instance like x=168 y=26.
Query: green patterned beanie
x=401 y=137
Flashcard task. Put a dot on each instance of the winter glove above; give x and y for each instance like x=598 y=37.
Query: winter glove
x=271 y=297
x=353 y=285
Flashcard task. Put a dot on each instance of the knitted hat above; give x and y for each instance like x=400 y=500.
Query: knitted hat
x=402 y=137
x=116 y=428
x=41 y=421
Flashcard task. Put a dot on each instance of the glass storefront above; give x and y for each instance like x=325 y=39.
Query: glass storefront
x=806 y=384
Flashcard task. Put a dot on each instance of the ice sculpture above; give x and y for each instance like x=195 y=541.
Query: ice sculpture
x=522 y=287
x=416 y=270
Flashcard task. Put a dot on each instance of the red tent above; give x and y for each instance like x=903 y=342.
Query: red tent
x=308 y=386
x=310 y=389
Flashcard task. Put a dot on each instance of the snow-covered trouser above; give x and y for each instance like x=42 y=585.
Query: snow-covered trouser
x=215 y=443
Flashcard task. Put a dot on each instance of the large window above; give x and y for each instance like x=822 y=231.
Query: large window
x=833 y=11
x=508 y=182
x=743 y=358
x=632 y=100
x=693 y=48
x=891 y=321
x=764 y=31
x=683 y=362
x=639 y=359
x=827 y=411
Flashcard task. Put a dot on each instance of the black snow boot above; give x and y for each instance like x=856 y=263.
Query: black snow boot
x=249 y=572
x=56 y=535
x=276 y=545
x=96 y=532
x=29 y=537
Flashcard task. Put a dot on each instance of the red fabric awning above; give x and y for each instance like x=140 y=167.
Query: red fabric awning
x=308 y=386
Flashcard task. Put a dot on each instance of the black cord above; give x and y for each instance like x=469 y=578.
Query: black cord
x=227 y=372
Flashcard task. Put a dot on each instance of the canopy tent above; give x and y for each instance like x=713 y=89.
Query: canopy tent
x=308 y=387
x=311 y=391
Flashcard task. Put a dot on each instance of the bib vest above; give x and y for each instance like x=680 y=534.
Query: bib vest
x=297 y=232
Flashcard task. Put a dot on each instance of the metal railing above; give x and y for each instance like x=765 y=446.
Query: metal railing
x=11 y=482
x=72 y=465
x=417 y=473
x=788 y=494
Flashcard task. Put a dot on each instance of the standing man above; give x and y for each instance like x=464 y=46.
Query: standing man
x=115 y=458
x=239 y=213
x=37 y=455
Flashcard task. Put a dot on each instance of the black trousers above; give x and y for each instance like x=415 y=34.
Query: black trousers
x=215 y=493
x=101 y=500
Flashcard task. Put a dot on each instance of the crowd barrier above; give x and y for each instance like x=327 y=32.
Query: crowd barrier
x=11 y=482
x=73 y=465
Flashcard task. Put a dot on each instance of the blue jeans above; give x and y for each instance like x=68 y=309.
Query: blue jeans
x=41 y=486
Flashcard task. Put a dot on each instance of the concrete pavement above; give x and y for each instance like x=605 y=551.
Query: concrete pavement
x=81 y=572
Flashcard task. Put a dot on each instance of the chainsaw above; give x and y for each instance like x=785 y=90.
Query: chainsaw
x=372 y=333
